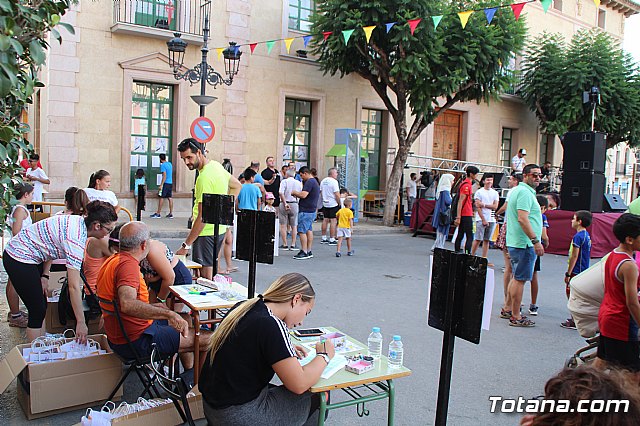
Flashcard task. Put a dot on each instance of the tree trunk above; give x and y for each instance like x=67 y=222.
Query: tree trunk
x=393 y=184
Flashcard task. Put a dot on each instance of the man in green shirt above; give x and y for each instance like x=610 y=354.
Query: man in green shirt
x=523 y=239
x=212 y=179
x=634 y=207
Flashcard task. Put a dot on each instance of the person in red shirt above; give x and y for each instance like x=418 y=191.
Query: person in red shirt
x=464 y=213
x=619 y=313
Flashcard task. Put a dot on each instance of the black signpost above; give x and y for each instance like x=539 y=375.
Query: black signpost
x=256 y=234
x=457 y=300
x=218 y=210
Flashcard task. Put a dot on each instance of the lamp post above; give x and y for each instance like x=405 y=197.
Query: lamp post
x=203 y=73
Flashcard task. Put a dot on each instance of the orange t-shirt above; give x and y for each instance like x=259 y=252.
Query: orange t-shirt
x=118 y=270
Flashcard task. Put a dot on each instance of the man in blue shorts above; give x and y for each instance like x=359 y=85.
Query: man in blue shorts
x=307 y=207
x=523 y=239
x=144 y=324
x=166 y=187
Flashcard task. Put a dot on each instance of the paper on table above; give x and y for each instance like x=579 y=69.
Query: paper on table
x=155 y=161
x=350 y=346
x=336 y=364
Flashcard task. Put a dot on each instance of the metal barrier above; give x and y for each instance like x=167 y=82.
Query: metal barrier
x=373 y=205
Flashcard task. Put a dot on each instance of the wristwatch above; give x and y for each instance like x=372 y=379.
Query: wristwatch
x=535 y=241
x=324 y=356
x=186 y=246
x=567 y=274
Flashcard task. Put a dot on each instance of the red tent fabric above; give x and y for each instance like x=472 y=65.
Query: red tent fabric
x=561 y=233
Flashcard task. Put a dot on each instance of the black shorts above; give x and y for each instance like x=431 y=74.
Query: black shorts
x=620 y=353
x=167 y=190
x=166 y=338
x=330 y=212
x=202 y=250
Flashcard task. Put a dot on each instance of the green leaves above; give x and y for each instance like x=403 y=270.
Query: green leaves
x=23 y=33
x=556 y=74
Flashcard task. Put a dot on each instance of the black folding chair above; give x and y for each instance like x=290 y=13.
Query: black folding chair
x=176 y=388
x=137 y=364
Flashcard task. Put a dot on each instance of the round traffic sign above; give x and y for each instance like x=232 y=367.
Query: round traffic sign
x=202 y=129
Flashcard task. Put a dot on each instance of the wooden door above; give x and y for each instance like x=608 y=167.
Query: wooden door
x=447 y=135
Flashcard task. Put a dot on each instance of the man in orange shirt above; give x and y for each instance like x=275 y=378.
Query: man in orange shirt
x=145 y=324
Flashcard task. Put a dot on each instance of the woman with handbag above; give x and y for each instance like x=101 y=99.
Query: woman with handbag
x=441 y=214
x=27 y=260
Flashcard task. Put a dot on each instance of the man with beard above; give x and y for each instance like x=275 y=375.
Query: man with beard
x=212 y=179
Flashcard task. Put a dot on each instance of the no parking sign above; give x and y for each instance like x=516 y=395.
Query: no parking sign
x=202 y=129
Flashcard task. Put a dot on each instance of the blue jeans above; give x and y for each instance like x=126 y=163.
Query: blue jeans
x=522 y=262
x=305 y=221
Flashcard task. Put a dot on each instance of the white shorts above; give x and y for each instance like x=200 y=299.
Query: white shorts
x=344 y=232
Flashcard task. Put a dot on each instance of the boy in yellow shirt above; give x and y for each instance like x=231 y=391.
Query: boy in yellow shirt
x=345 y=223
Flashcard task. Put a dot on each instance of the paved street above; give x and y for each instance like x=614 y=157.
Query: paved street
x=385 y=285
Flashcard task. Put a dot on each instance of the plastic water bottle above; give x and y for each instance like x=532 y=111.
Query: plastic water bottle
x=374 y=343
x=395 y=352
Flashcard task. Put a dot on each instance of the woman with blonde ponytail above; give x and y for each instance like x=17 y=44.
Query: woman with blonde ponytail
x=249 y=347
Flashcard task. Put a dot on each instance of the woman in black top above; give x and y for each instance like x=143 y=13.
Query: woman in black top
x=249 y=346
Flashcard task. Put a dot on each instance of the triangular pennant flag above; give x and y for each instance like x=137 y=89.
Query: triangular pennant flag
x=252 y=46
x=219 y=50
x=389 y=26
x=436 y=21
x=597 y=2
x=368 y=31
x=306 y=40
x=413 y=23
x=270 y=46
x=489 y=13
x=326 y=34
x=464 y=17
x=546 y=4
x=287 y=43
x=517 y=9
x=347 y=35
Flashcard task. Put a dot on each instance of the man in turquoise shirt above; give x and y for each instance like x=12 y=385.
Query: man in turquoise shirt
x=166 y=187
x=523 y=240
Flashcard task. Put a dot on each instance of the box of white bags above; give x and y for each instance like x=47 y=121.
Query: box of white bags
x=48 y=386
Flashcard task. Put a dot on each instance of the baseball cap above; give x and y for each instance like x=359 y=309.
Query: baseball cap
x=269 y=196
x=523 y=151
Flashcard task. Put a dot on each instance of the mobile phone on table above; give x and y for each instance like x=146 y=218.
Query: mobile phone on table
x=308 y=332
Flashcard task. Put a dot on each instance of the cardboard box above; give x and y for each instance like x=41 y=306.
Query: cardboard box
x=59 y=386
x=52 y=319
x=164 y=415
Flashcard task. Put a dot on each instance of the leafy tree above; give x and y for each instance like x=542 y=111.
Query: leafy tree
x=422 y=75
x=556 y=74
x=24 y=27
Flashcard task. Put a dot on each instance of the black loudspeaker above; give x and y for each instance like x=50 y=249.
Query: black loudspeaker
x=582 y=191
x=584 y=152
x=614 y=203
x=497 y=180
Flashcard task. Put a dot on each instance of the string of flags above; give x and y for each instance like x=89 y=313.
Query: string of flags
x=463 y=17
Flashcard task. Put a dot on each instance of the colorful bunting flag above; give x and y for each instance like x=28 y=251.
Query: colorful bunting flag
x=252 y=46
x=546 y=4
x=436 y=21
x=413 y=23
x=490 y=13
x=306 y=40
x=219 y=50
x=368 y=31
x=517 y=9
x=389 y=26
x=464 y=17
x=326 y=34
x=270 y=46
x=597 y=2
x=287 y=43
x=347 y=35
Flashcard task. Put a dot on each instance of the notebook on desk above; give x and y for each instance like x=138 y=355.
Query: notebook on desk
x=336 y=364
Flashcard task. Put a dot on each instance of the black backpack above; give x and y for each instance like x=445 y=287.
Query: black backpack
x=90 y=304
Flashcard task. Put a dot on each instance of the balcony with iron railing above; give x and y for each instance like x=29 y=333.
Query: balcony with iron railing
x=161 y=18
x=516 y=82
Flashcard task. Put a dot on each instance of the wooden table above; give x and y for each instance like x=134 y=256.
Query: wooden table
x=190 y=264
x=377 y=383
x=211 y=302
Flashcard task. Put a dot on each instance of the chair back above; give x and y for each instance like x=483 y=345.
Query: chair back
x=112 y=308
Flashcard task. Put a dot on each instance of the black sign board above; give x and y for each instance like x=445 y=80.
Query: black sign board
x=468 y=274
x=259 y=227
x=217 y=208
